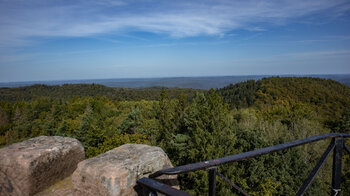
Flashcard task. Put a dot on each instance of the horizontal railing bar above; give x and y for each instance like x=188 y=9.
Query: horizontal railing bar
x=233 y=184
x=160 y=187
x=347 y=148
x=316 y=169
x=243 y=156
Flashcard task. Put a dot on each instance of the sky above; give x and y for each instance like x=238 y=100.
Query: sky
x=96 y=39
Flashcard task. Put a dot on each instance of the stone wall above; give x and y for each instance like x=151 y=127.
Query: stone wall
x=116 y=171
x=29 y=167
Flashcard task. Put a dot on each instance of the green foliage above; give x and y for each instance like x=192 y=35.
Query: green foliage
x=240 y=95
x=67 y=91
x=115 y=141
x=343 y=124
x=326 y=97
x=131 y=124
x=164 y=116
x=207 y=133
x=192 y=126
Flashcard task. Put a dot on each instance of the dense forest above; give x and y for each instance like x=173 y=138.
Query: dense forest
x=196 y=125
x=327 y=98
x=67 y=91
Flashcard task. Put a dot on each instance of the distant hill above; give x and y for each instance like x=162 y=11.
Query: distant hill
x=328 y=97
x=174 y=82
x=65 y=91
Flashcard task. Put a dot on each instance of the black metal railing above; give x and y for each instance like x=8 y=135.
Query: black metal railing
x=152 y=186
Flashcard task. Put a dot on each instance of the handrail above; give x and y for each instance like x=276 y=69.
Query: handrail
x=245 y=155
x=160 y=187
x=337 y=145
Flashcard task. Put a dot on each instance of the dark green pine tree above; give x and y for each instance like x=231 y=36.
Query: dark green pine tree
x=180 y=137
x=164 y=115
x=344 y=124
x=62 y=129
x=211 y=135
x=131 y=124
x=85 y=126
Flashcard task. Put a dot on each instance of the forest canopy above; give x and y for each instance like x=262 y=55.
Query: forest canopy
x=195 y=125
x=66 y=91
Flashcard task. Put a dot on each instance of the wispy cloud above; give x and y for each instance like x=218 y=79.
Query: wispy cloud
x=21 y=22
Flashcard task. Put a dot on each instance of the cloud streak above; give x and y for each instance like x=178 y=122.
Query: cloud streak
x=22 y=22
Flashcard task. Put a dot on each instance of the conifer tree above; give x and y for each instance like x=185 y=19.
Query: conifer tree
x=131 y=124
x=164 y=116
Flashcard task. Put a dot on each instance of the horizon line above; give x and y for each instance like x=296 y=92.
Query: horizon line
x=166 y=77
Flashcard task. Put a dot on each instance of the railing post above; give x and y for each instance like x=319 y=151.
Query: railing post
x=147 y=192
x=212 y=181
x=337 y=166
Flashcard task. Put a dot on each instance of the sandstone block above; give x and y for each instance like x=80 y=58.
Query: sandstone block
x=32 y=165
x=116 y=171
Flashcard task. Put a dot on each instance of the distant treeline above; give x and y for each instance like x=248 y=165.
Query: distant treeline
x=204 y=82
x=195 y=125
x=67 y=91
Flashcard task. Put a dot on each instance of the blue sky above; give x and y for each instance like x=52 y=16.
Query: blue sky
x=86 y=39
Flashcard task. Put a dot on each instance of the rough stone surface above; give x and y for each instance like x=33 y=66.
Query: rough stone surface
x=32 y=165
x=116 y=171
x=60 y=188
